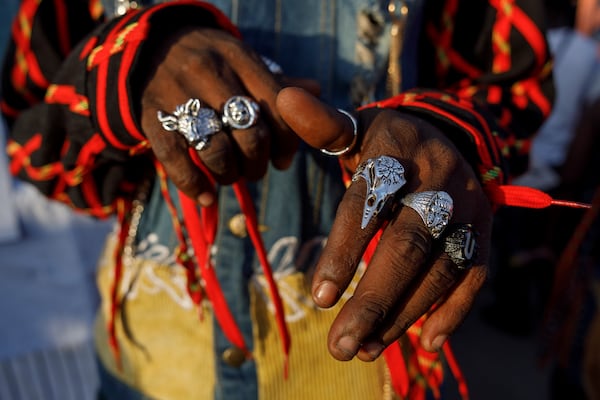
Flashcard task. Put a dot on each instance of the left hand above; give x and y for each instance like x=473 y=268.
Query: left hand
x=409 y=273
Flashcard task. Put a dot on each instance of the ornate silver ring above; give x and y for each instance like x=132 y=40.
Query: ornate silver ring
x=354 y=137
x=384 y=176
x=240 y=112
x=460 y=245
x=435 y=209
x=195 y=123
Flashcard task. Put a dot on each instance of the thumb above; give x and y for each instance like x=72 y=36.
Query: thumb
x=318 y=124
x=310 y=85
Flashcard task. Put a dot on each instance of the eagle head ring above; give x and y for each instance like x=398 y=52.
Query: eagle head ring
x=435 y=209
x=194 y=122
x=384 y=176
x=240 y=112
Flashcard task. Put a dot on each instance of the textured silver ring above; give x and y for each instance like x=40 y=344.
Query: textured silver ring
x=434 y=207
x=240 y=112
x=194 y=122
x=354 y=137
x=460 y=245
x=384 y=176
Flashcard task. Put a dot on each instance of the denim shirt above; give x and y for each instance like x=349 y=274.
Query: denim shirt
x=310 y=38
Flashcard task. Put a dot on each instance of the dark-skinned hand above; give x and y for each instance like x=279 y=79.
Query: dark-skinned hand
x=212 y=66
x=409 y=272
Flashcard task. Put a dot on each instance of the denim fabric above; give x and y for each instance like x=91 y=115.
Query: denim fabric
x=297 y=206
x=310 y=38
x=113 y=389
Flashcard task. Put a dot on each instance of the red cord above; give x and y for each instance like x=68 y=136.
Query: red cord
x=202 y=235
x=203 y=242
x=456 y=371
x=523 y=196
x=249 y=212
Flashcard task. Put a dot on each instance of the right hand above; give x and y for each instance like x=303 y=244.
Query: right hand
x=212 y=65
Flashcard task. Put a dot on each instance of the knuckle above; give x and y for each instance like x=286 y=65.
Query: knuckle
x=218 y=159
x=390 y=121
x=440 y=279
x=442 y=157
x=252 y=143
x=479 y=274
x=168 y=150
x=372 y=308
x=197 y=63
x=236 y=48
x=351 y=200
x=401 y=325
x=187 y=181
x=411 y=244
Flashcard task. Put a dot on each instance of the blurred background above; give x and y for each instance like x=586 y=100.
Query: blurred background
x=47 y=286
x=526 y=337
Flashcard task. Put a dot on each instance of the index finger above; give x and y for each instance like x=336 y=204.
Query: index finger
x=344 y=249
x=368 y=199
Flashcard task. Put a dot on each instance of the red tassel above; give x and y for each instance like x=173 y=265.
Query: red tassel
x=523 y=196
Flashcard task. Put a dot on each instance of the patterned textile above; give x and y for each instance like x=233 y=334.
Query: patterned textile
x=71 y=85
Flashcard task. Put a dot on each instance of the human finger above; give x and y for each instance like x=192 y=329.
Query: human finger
x=261 y=85
x=399 y=257
x=449 y=314
x=230 y=153
x=428 y=285
x=318 y=124
x=405 y=277
x=171 y=148
x=445 y=283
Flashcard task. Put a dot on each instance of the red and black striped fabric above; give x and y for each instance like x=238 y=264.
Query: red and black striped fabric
x=69 y=96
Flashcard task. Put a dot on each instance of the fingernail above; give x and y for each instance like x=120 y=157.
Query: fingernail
x=373 y=349
x=438 y=342
x=326 y=294
x=206 y=199
x=348 y=345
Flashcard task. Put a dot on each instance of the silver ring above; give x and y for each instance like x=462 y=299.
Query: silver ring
x=272 y=65
x=354 y=137
x=195 y=123
x=384 y=176
x=460 y=245
x=240 y=112
x=435 y=209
